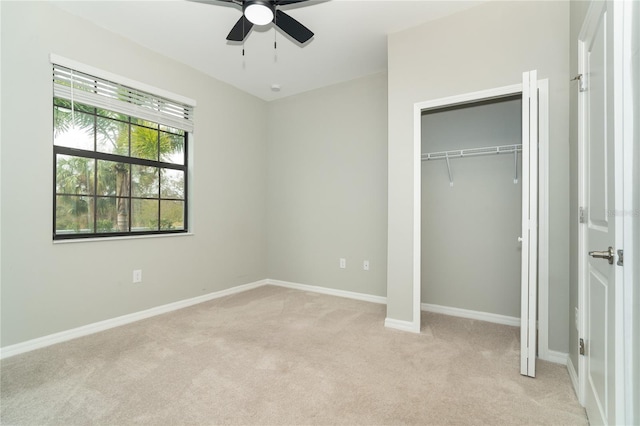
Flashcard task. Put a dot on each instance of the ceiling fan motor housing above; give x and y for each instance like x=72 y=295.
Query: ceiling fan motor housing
x=259 y=12
x=263 y=12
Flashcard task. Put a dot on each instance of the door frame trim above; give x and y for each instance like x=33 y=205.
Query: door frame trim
x=626 y=16
x=543 y=197
x=589 y=21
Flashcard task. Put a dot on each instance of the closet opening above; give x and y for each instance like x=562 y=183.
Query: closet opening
x=481 y=210
x=471 y=210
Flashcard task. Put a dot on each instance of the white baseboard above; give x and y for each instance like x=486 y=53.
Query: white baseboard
x=574 y=378
x=476 y=315
x=409 y=326
x=96 y=327
x=329 y=291
x=555 y=356
x=388 y=322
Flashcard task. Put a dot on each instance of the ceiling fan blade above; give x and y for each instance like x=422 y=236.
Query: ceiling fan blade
x=286 y=2
x=240 y=29
x=292 y=27
x=212 y=2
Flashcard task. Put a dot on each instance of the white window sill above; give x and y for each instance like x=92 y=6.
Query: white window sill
x=127 y=237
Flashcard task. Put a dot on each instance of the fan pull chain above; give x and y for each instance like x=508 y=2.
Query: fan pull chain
x=244 y=34
x=275 y=38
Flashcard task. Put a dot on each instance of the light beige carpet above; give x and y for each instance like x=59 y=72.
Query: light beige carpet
x=279 y=356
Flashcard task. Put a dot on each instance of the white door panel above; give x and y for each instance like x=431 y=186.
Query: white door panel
x=597 y=371
x=529 y=263
x=596 y=146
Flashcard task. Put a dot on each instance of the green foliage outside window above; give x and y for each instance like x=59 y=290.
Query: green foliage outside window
x=116 y=174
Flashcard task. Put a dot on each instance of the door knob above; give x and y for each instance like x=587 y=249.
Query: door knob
x=603 y=255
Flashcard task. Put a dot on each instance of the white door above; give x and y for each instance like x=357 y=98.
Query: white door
x=597 y=201
x=529 y=271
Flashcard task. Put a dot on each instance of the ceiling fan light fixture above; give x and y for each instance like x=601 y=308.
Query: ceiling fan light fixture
x=262 y=13
x=259 y=12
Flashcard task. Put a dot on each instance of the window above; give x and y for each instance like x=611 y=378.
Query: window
x=120 y=159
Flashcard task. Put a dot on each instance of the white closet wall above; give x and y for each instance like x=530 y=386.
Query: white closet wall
x=470 y=252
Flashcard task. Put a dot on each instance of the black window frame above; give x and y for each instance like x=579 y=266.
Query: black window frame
x=130 y=160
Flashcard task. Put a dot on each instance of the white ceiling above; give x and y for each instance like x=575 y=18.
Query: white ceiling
x=350 y=38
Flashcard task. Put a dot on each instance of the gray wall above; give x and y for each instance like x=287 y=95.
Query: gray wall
x=470 y=253
x=327 y=184
x=46 y=287
x=484 y=47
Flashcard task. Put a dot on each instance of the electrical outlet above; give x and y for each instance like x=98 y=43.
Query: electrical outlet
x=365 y=265
x=137 y=275
x=343 y=263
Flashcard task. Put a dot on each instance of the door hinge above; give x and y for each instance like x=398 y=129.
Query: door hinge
x=581 y=346
x=582 y=215
x=620 y=258
x=582 y=84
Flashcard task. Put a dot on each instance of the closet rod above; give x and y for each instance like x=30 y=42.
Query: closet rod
x=472 y=152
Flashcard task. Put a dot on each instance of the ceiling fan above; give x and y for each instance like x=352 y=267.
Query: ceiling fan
x=263 y=12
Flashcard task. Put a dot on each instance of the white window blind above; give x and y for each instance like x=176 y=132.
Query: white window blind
x=95 y=91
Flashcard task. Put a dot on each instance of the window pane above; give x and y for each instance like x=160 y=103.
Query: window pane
x=172 y=130
x=144 y=181
x=84 y=108
x=171 y=214
x=144 y=123
x=144 y=215
x=62 y=102
x=171 y=148
x=98 y=188
x=74 y=214
x=76 y=106
x=74 y=175
x=66 y=132
x=144 y=143
x=172 y=183
x=111 y=114
x=112 y=136
x=113 y=178
x=112 y=214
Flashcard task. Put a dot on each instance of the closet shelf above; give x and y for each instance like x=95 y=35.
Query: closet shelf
x=473 y=152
